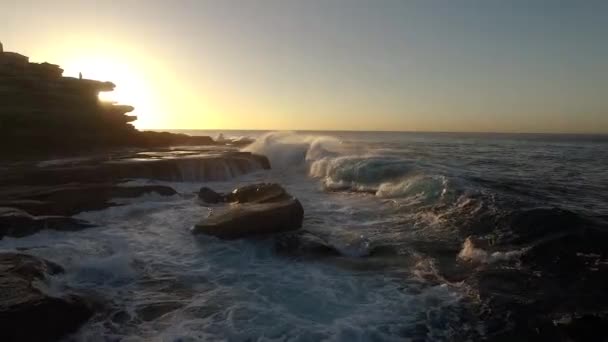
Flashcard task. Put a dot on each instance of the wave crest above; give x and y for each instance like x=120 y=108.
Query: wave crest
x=341 y=169
x=288 y=149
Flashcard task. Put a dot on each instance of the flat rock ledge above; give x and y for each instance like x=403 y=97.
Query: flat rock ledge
x=26 y=210
x=27 y=312
x=258 y=209
x=18 y=223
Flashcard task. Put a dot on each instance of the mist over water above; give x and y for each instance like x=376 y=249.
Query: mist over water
x=411 y=214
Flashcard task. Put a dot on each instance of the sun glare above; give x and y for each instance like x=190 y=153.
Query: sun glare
x=132 y=86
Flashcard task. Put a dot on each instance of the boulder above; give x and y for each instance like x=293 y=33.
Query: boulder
x=303 y=244
x=27 y=312
x=258 y=193
x=254 y=219
x=209 y=196
x=255 y=193
x=18 y=223
x=257 y=210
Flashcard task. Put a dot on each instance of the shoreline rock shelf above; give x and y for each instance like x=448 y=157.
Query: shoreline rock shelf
x=217 y=166
x=18 y=223
x=28 y=210
x=43 y=195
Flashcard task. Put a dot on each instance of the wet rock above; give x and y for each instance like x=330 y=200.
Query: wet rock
x=259 y=209
x=18 y=223
x=67 y=200
x=303 y=244
x=353 y=245
x=254 y=219
x=258 y=193
x=384 y=251
x=27 y=312
x=209 y=196
x=307 y=244
x=210 y=167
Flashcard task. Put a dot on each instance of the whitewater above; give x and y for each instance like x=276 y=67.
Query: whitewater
x=414 y=217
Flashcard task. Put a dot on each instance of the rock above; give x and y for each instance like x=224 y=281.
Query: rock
x=44 y=112
x=211 y=167
x=18 y=223
x=259 y=209
x=27 y=312
x=303 y=244
x=67 y=200
x=254 y=219
x=152 y=139
x=209 y=196
x=258 y=193
x=255 y=193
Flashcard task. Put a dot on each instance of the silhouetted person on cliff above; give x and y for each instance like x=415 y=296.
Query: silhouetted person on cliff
x=80 y=75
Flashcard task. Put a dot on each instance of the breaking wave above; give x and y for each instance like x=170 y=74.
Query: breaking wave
x=341 y=167
x=287 y=149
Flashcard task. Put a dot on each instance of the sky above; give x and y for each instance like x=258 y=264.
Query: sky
x=427 y=65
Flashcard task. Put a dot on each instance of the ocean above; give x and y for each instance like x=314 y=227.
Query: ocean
x=433 y=229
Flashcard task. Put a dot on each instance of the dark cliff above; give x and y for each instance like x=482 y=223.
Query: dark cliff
x=42 y=112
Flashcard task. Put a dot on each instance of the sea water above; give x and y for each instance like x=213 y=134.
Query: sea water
x=401 y=208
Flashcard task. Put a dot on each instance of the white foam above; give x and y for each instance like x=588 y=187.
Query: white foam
x=288 y=149
x=473 y=254
x=423 y=187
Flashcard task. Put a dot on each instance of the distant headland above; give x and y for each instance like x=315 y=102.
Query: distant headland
x=44 y=112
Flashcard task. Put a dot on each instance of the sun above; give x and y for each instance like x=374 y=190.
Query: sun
x=132 y=86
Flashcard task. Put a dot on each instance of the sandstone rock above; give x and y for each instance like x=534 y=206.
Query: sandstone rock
x=259 y=209
x=27 y=312
x=254 y=219
x=18 y=223
x=258 y=193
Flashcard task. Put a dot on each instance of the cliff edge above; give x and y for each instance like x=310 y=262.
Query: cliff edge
x=43 y=112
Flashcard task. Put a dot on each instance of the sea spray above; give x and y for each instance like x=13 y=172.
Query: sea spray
x=288 y=149
x=477 y=255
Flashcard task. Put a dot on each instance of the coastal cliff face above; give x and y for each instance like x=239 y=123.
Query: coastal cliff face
x=41 y=111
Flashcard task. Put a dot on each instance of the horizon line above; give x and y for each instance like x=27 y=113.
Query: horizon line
x=375 y=131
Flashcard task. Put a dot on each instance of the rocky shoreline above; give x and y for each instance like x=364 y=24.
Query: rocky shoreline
x=63 y=152
x=28 y=312
x=45 y=195
x=41 y=197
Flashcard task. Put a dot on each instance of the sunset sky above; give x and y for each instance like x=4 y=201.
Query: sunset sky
x=485 y=65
